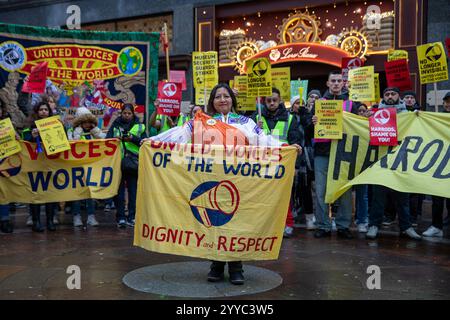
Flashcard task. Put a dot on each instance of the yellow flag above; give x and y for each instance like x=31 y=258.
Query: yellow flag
x=219 y=204
x=432 y=63
x=329 y=119
x=361 y=84
x=419 y=164
x=53 y=135
x=281 y=79
x=204 y=69
x=8 y=143
x=259 y=77
x=397 y=55
x=89 y=169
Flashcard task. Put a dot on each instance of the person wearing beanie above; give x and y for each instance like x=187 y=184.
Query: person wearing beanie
x=84 y=127
x=391 y=99
x=276 y=121
x=410 y=100
x=130 y=131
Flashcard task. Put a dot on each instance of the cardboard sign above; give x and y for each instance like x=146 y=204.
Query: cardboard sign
x=397 y=55
x=202 y=96
x=37 y=79
x=377 y=87
x=383 y=127
x=53 y=135
x=295 y=88
x=397 y=74
x=8 y=143
x=432 y=63
x=169 y=96
x=245 y=103
x=281 y=79
x=204 y=69
x=259 y=77
x=349 y=64
x=361 y=84
x=178 y=76
x=329 y=119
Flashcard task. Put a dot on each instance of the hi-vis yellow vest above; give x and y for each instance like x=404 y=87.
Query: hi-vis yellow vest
x=182 y=119
x=136 y=130
x=280 y=131
x=164 y=123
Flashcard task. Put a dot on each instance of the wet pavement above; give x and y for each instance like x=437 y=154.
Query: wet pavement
x=33 y=265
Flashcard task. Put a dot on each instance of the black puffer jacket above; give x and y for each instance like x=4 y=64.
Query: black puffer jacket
x=124 y=126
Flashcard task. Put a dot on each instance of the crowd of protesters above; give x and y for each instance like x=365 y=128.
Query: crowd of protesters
x=375 y=205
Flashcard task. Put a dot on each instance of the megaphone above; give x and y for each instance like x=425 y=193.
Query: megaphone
x=223 y=197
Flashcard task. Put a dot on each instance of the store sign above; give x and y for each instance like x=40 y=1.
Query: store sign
x=304 y=51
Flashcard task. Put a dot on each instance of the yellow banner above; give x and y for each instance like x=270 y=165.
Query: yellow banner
x=432 y=63
x=90 y=169
x=329 y=119
x=259 y=77
x=361 y=84
x=204 y=68
x=420 y=164
x=53 y=135
x=281 y=79
x=8 y=143
x=397 y=55
x=245 y=103
x=213 y=203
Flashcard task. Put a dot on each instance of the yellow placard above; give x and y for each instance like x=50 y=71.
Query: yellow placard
x=329 y=119
x=89 y=170
x=300 y=94
x=205 y=69
x=432 y=63
x=259 y=77
x=361 y=84
x=202 y=96
x=244 y=102
x=53 y=135
x=419 y=163
x=8 y=143
x=397 y=55
x=233 y=207
x=377 y=87
x=281 y=79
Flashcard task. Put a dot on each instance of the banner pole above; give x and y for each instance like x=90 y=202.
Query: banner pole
x=167 y=52
x=258 y=99
x=204 y=99
x=436 y=107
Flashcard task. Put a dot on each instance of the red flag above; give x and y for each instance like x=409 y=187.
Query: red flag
x=383 y=127
x=397 y=74
x=164 y=40
x=348 y=64
x=169 y=96
x=35 y=82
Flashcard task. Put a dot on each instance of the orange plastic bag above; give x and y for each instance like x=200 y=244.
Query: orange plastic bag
x=208 y=130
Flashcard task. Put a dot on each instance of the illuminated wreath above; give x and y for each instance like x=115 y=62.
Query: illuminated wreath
x=300 y=27
x=354 y=42
x=244 y=50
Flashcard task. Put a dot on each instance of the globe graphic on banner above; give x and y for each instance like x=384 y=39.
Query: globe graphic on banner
x=130 y=61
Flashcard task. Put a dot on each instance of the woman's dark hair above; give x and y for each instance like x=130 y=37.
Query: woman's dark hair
x=128 y=106
x=38 y=106
x=211 y=109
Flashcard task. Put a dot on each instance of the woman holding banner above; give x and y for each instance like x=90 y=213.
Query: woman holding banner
x=221 y=107
x=41 y=111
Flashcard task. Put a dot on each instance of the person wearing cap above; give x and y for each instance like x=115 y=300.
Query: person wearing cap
x=437 y=207
x=276 y=121
x=410 y=100
x=302 y=193
x=130 y=131
x=391 y=99
x=84 y=127
x=322 y=147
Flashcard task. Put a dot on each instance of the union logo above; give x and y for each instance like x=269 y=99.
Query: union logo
x=214 y=203
x=12 y=56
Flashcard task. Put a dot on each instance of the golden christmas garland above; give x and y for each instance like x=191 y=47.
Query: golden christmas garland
x=300 y=27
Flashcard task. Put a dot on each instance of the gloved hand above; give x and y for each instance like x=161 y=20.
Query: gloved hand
x=77 y=133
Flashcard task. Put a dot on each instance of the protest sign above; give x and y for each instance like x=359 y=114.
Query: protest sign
x=281 y=79
x=295 y=88
x=204 y=68
x=348 y=64
x=37 y=79
x=383 y=127
x=169 y=95
x=397 y=55
x=329 y=119
x=53 y=135
x=259 y=77
x=178 y=76
x=397 y=74
x=362 y=85
x=432 y=63
x=8 y=143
